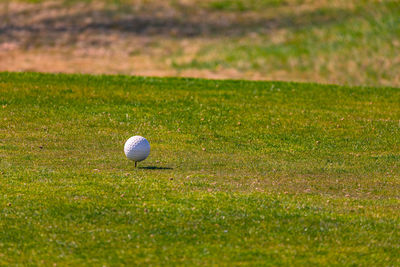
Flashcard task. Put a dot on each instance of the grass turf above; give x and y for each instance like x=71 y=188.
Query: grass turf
x=349 y=42
x=258 y=173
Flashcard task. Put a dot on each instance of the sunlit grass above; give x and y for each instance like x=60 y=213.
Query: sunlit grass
x=239 y=172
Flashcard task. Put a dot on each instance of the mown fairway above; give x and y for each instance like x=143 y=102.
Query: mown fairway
x=258 y=173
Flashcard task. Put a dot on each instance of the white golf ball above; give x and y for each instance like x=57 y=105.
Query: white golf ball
x=137 y=148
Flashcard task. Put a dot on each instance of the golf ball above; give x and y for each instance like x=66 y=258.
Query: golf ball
x=137 y=148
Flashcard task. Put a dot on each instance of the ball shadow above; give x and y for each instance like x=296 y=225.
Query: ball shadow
x=155 y=168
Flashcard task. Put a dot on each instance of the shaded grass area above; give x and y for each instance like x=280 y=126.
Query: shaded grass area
x=178 y=22
x=346 y=42
x=239 y=173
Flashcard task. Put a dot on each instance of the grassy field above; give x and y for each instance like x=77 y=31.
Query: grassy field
x=349 y=42
x=240 y=173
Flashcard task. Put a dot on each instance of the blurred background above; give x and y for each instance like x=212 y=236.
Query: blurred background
x=354 y=42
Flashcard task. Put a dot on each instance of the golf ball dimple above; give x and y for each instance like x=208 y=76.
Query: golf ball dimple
x=137 y=148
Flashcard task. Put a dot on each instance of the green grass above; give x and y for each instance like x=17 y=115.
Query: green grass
x=349 y=42
x=342 y=45
x=240 y=173
x=240 y=5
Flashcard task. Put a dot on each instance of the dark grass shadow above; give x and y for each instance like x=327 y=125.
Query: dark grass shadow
x=155 y=168
x=179 y=25
x=104 y=22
